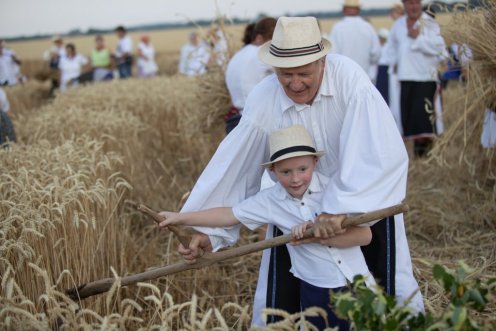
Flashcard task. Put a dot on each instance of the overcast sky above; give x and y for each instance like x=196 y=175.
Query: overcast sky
x=28 y=17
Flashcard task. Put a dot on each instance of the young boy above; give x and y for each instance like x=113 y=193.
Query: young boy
x=291 y=205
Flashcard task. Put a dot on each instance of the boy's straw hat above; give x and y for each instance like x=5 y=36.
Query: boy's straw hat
x=290 y=142
x=296 y=41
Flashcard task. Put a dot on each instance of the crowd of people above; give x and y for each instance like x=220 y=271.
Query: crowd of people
x=69 y=68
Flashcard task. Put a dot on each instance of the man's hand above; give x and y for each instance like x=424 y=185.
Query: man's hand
x=328 y=225
x=199 y=244
x=325 y=227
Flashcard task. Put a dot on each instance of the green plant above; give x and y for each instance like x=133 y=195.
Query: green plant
x=372 y=309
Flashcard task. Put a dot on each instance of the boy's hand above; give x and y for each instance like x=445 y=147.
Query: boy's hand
x=327 y=226
x=298 y=230
x=170 y=218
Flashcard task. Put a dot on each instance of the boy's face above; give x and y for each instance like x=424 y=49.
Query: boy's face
x=295 y=174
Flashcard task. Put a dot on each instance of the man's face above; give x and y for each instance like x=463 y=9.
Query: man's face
x=301 y=84
x=413 y=8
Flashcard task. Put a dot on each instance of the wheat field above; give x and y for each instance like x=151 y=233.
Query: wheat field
x=79 y=157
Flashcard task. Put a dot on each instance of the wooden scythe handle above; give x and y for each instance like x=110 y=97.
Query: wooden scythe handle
x=103 y=285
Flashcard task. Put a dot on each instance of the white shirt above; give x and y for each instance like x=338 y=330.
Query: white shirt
x=70 y=68
x=194 y=59
x=316 y=264
x=124 y=45
x=244 y=71
x=356 y=38
x=8 y=68
x=417 y=59
x=146 y=63
x=4 y=102
x=365 y=157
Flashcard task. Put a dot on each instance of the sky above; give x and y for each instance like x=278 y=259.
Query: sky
x=31 y=17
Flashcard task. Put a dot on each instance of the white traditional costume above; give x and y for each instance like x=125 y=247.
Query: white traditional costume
x=365 y=159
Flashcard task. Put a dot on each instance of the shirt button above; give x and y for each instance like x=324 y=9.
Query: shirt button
x=339 y=261
x=302 y=203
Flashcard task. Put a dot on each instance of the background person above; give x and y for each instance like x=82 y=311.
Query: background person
x=9 y=65
x=194 y=57
x=124 y=53
x=365 y=160
x=355 y=38
x=416 y=47
x=53 y=56
x=7 y=132
x=101 y=60
x=147 y=67
x=71 y=67
x=245 y=70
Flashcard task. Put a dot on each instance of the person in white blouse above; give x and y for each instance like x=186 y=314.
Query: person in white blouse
x=365 y=160
x=291 y=205
x=147 y=67
x=9 y=65
x=415 y=46
x=355 y=38
x=71 y=67
x=245 y=70
x=194 y=57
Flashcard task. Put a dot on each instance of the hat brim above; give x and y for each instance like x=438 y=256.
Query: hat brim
x=291 y=62
x=290 y=155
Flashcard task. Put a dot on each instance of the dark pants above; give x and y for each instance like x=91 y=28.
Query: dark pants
x=382 y=82
x=125 y=69
x=313 y=296
x=232 y=123
x=283 y=289
x=7 y=132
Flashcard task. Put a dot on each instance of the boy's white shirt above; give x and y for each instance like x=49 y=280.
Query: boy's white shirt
x=322 y=266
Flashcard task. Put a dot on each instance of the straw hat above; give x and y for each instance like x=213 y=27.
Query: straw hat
x=351 y=3
x=296 y=41
x=290 y=142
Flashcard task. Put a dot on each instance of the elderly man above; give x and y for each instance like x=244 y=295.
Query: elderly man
x=365 y=159
x=356 y=38
x=194 y=57
x=245 y=70
x=416 y=47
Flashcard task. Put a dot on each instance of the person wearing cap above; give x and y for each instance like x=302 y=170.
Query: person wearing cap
x=245 y=70
x=416 y=47
x=147 y=67
x=355 y=38
x=124 y=53
x=365 y=160
x=194 y=57
x=291 y=205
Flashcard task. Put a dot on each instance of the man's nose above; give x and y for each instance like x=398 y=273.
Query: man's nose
x=296 y=83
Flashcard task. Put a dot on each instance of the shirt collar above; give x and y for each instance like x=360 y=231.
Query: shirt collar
x=316 y=186
x=326 y=89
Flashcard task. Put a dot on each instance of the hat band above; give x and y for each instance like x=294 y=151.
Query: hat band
x=292 y=149
x=301 y=51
